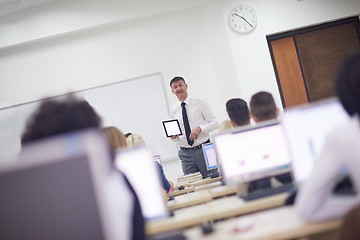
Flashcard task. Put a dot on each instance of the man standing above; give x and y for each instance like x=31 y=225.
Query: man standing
x=196 y=122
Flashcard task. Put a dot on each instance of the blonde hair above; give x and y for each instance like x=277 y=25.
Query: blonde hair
x=134 y=140
x=115 y=137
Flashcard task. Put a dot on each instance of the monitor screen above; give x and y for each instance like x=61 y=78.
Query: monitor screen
x=306 y=128
x=209 y=156
x=139 y=167
x=251 y=153
x=59 y=188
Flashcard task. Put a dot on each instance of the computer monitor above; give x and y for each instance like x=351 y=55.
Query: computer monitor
x=63 y=188
x=306 y=128
x=139 y=167
x=209 y=156
x=253 y=152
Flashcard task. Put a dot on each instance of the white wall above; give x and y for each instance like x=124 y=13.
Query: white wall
x=71 y=45
x=250 y=51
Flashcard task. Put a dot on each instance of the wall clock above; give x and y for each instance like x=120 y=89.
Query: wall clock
x=243 y=18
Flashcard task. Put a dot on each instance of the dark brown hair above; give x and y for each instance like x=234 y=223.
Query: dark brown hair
x=348 y=84
x=238 y=111
x=55 y=117
x=262 y=106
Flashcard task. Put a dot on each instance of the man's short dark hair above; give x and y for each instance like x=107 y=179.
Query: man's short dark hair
x=238 y=111
x=55 y=117
x=262 y=106
x=176 y=79
x=348 y=84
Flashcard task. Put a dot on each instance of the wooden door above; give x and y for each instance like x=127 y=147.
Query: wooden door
x=306 y=60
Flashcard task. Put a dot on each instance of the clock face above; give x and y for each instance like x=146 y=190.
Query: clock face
x=243 y=18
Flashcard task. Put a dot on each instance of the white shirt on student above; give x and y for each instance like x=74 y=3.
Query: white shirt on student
x=315 y=200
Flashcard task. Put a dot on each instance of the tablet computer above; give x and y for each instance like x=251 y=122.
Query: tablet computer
x=172 y=128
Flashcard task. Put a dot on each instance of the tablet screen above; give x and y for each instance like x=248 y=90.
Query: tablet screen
x=172 y=127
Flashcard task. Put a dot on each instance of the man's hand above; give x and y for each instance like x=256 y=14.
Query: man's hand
x=174 y=137
x=195 y=133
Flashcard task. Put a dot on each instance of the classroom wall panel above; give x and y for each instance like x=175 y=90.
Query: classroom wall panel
x=140 y=112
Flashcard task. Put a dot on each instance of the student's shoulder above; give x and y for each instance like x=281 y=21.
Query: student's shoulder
x=347 y=129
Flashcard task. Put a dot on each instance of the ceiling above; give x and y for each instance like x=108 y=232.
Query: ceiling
x=11 y=6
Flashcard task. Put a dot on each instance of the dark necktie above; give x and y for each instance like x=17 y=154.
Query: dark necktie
x=186 y=124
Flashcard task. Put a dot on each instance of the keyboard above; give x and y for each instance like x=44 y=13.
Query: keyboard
x=267 y=192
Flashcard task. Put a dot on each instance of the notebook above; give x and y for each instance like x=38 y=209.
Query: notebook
x=253 y=152
x=306 y=128
x=139 y=167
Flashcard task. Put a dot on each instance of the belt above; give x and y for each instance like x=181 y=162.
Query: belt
x=196 y=147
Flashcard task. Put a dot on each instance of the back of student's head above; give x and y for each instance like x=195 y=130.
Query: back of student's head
x=134 y=140
x=348 y=84
x=238 y=111
x=263 y=107
x=115 y=137
x=55 y=117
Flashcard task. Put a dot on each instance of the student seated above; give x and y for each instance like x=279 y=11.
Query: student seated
x=133 y=140
x=55 y=117
x=239 y=114
x=315 y=200
x=263 y=108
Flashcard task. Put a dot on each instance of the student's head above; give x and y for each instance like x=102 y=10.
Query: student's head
x=115 y=137
x=263 y=107
x=134 y=140
x=179 y=88
x=55 y=117
x=238 y=112
x=348 y=84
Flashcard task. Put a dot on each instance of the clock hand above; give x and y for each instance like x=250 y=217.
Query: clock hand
x=243 y=19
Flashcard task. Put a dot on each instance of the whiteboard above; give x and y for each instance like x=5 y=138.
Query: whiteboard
x=136 y=105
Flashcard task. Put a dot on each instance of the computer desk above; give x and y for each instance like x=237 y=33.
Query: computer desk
x=233 y=206
x=216 y=209
x=204 y=181
x=274 y=224
x=190 y=199
x=180 y=192
x=222 y=191
x=197 y=182
x=196 y=186
x=207 y=186
x=207 y=193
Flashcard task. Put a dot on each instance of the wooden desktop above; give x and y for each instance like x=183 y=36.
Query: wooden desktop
x=213 y=210
x=274 y=224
